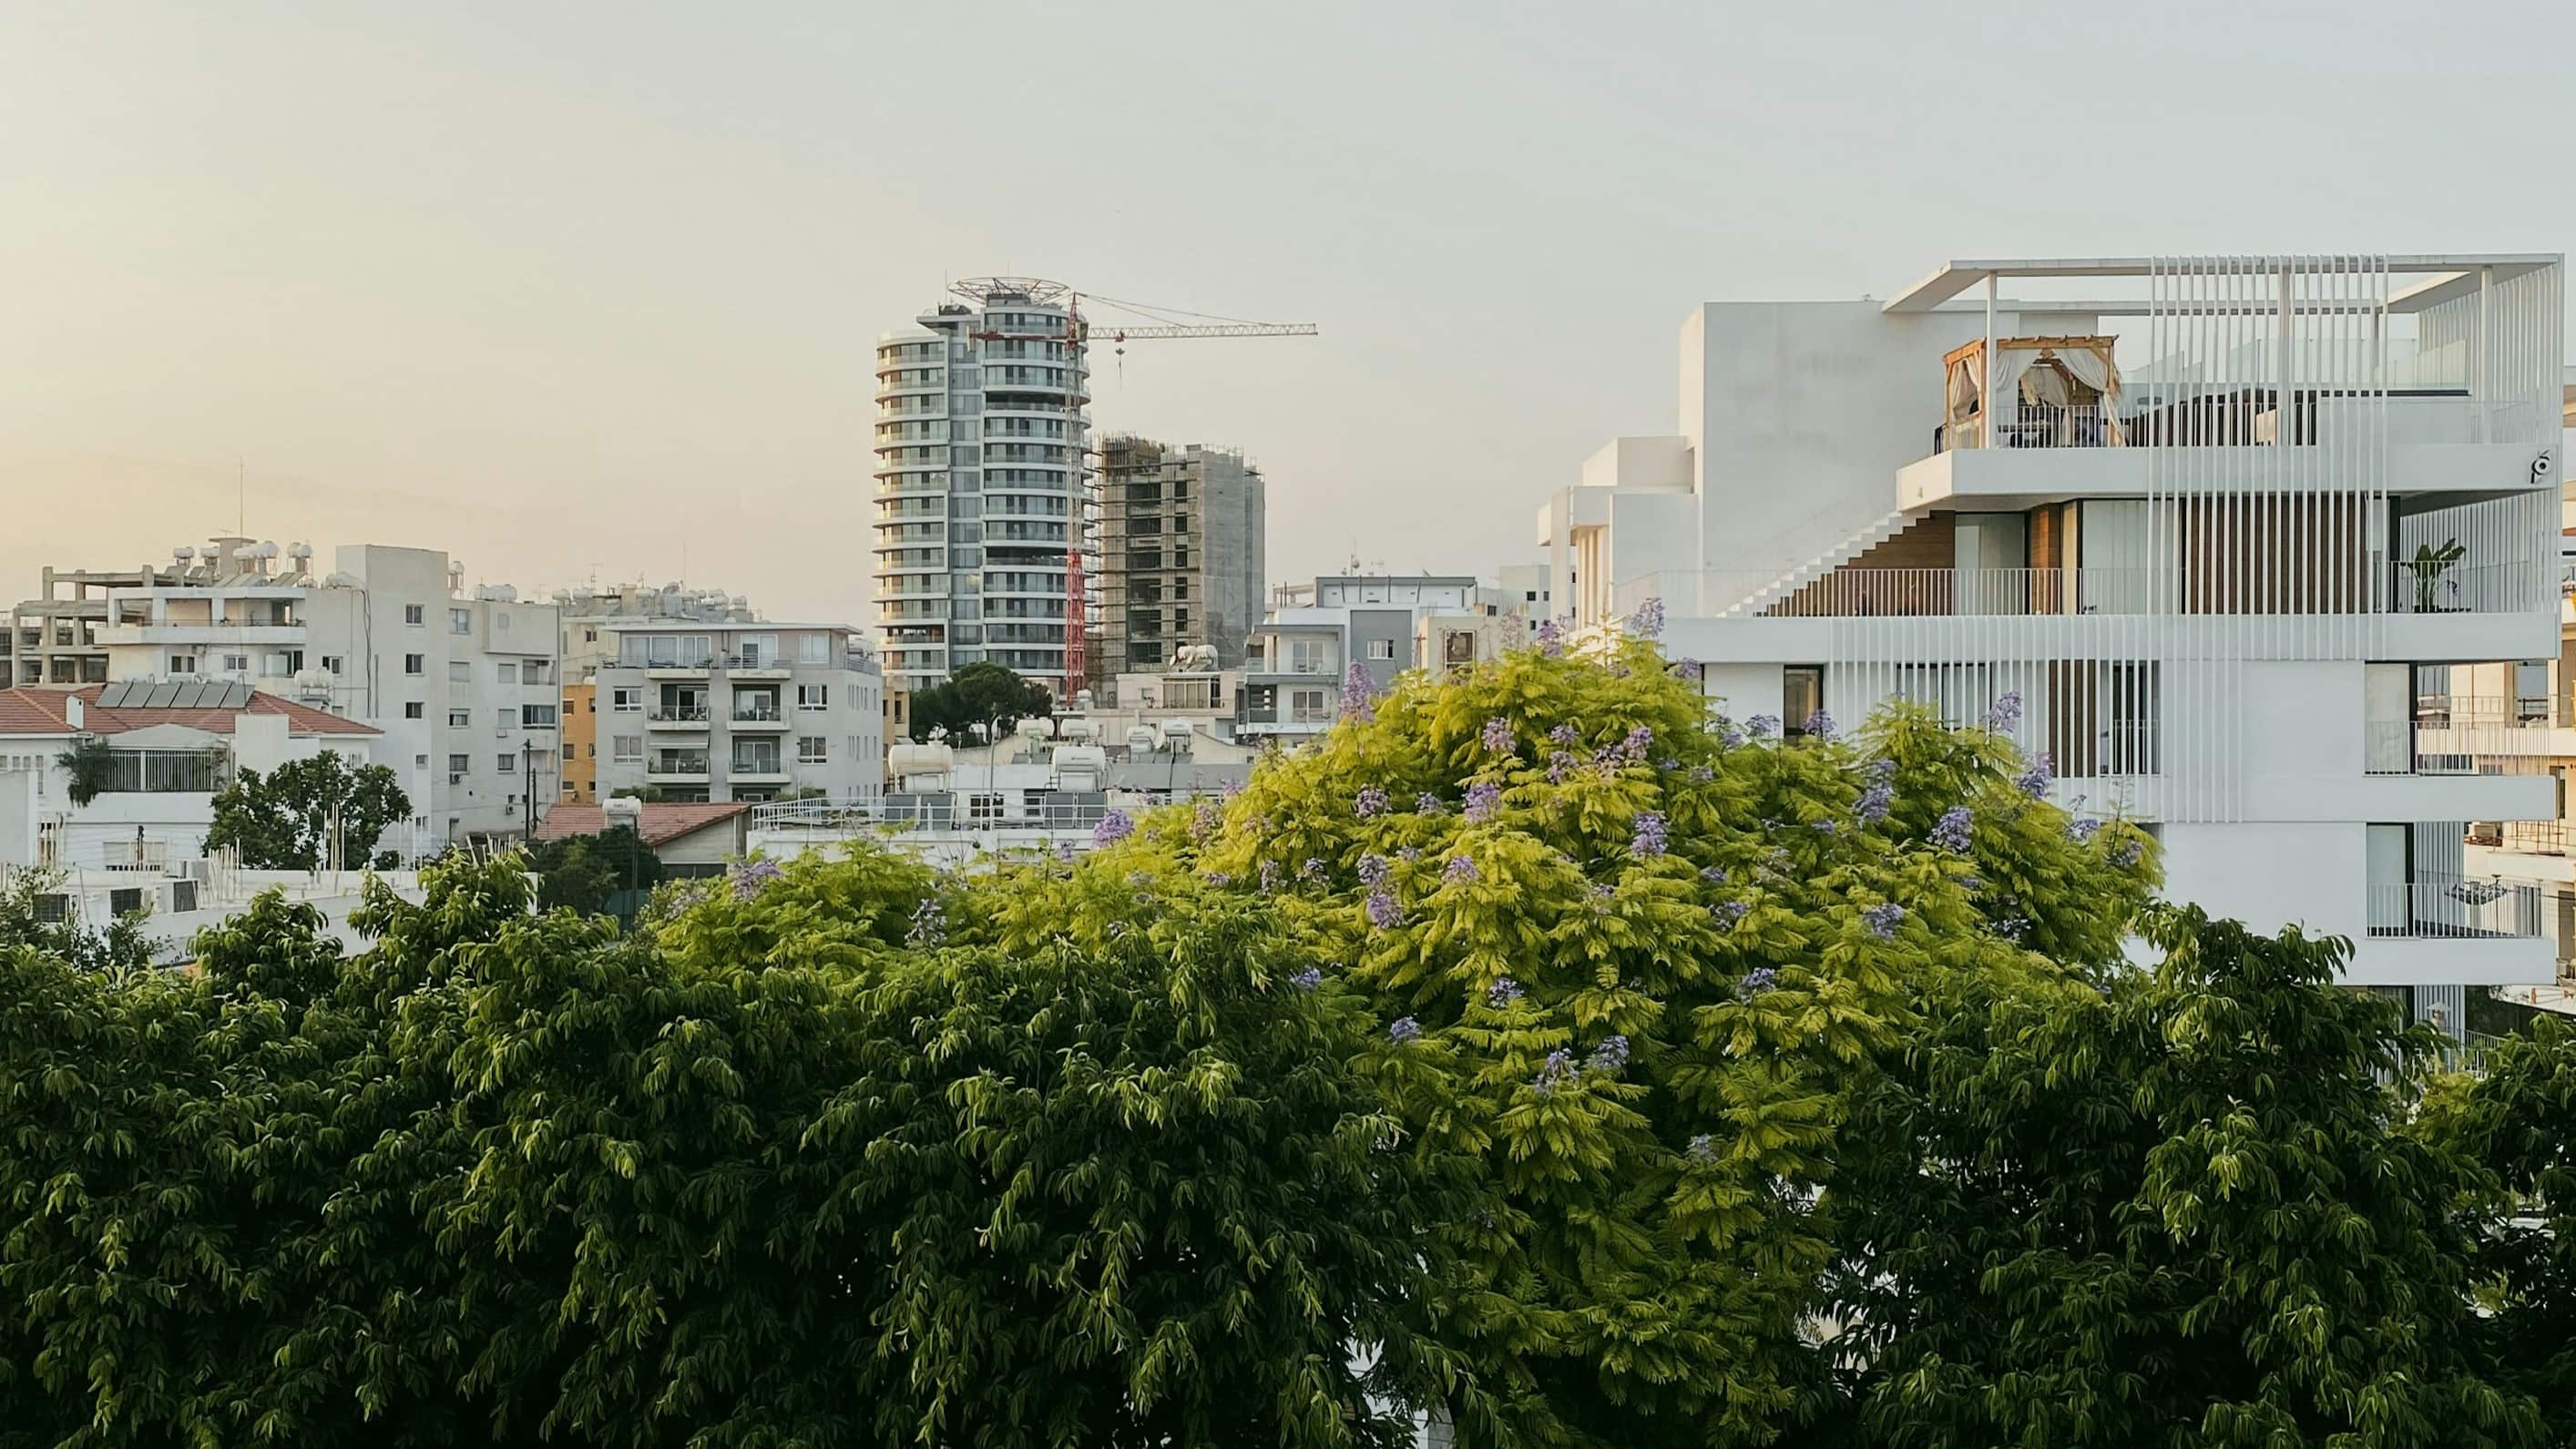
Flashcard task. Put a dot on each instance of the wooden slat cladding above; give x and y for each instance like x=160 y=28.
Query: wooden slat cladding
x=1929 y=542
x=2102 y=717
x=2276 y=553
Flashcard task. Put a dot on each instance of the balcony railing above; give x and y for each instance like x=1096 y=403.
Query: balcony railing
x=676 y=714
x=756 y=714
x=2256 y=589
x=2070 y=425
x=2450 y=906
x=678 y=764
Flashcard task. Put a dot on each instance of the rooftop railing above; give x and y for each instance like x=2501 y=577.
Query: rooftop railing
x=2258 y=587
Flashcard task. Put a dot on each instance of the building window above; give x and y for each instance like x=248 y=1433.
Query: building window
x=506 y=763
x=628 y=697
x=414 y=664
x=537 y=716
x=813 y=696
x=183 y=664
x=237 y=663
x=569 y=756
x=411 y=709
x=460 y=671
x=331 y=664
x=507 y=671
x=460 y=764
x=533 y=671
x=414 y=613
x=460 y=621
x=505 y=716
x=1381 y=649
x=626 y=747
x=1306 y=706
x=458 y=719
x=810 y=750
x=1802 y=694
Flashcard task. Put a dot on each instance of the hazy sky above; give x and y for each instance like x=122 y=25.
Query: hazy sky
x=577 y=288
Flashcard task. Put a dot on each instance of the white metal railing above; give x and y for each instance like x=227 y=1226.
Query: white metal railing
x=2538 y=837
x=135 y=855
x=962 y=811
x=2453 y=906
x=1850 y=593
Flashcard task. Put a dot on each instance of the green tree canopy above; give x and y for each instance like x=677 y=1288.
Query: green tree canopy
x=581 y=872
x=283 y=820
x=980 y=696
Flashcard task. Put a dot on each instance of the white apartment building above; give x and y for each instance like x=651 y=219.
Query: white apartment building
x=1301 y=654
x=1525 y=592
x=583 y=612
x=455 y=681
x=740 y=712
x=979 y=459
x=2218 y=522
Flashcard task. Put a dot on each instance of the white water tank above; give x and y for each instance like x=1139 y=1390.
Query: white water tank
x=1140 y=737
x=1036 y=731
x=905 y=760
x=1077 y=729
x=623 y=810
x=1177 y=729
x=1081 y=767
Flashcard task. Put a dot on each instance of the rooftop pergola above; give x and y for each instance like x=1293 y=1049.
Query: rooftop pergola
x=2430 y=278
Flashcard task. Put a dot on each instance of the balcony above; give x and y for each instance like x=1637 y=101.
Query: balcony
x=758 y=769
x=202 y=633
x=760 y=718
x=756 y=666
x=2453 y=908
x=671 y=669
x=677 y=767
x=2374 y=586
x=677 y=717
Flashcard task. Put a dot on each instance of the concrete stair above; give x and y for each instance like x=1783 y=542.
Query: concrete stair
x=1790 y=583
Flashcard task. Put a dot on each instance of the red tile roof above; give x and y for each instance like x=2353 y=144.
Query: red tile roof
x=661 y=824
x=38 y=710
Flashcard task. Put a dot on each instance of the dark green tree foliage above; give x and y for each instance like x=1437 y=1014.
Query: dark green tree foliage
x=2172 y=1210
x=511 y=1178
x=89 y=765
x=581 y=872
x=282 y=821
x=126 y=943
x=2517 y=1123
x=982 y=696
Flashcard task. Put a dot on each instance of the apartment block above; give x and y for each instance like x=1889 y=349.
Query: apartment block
x=979 y=441
x=1301 y=652
x=1180 y=558
x=728 y=712
x=2222 y=524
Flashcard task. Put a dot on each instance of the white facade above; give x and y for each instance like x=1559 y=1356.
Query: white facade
x=979 y=461
x=1302 y=653
x=181 y=897
x=2186 y=534
x=740 y=711
x=584 y=613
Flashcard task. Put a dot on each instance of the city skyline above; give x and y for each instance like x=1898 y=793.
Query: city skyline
x=591 y=292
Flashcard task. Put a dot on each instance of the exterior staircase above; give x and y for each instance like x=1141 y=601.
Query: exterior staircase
x=1788 y=584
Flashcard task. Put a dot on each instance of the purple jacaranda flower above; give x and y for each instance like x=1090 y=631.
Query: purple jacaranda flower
x=1882 y=770
x=1712 y=874
x=1483 y=797
x=1668 y=763
x=1762 y=726
x=1651 y=837
x=1702 y=774
x=1113 y=828
x=1554 y=1072
x=751 y=875
x=1382 y=909
x=1951 y=831
x=1874 y=803
x=1558 y=762
x=1497 y=736
x=1230 y=789
x=1825 y=826
x=1359 y=694
x=1459 y=871
x=1728 y=913
x=1883 y=919
x=1427 y=803
x=2004 y=715
x=2127 y=852
x=1972 y=882
x=1609 y=1057
x=1689 y=669
x=1757 y=981
x=1646 y=621
x=1220 y=879
x=929 y=923
x=1404 y=1031
x=1369 y=801
x=1703 y=1149
x=1633 y=748
x=1551 y=638
x=1821 y=725
x=1269 y=872
x=2013 y=928
x=1312 y=868
x=1563 y=735
x=1373 y=869
x=1410 y=852
x=1502 y=993
x=1205 y=820
x=2035 y=780
x=2082 y=831
x=1306 y=978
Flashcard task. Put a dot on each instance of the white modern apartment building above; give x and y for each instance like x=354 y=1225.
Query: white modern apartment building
x=979 y=462
x=1301 y=654
x=457 y=681
x=740 y=712
x=584 y=612
x=2218 y=521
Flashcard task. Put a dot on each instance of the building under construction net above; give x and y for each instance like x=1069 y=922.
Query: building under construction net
x=1179 y=559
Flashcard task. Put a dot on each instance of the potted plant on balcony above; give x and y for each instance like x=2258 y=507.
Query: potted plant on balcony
x=91 y=765
x=2428 y=566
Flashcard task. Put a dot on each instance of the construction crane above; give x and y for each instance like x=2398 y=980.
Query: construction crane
x=1078 y=331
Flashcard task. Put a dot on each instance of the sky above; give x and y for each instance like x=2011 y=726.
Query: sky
x=588 y=291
